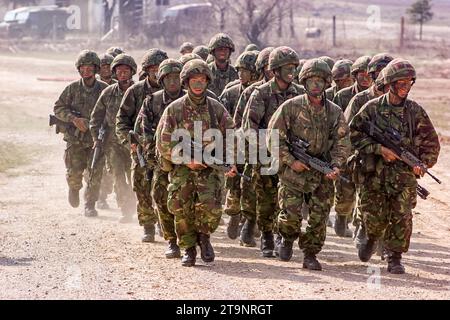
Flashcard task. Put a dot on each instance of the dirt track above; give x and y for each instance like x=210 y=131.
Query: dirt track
x=50 y=251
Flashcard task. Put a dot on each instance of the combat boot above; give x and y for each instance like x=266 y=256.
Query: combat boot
x=394 y=263
x=278 y=244
x=149 y=233
x=267 y=244
x=206 y=249
x=74 y=198
x=189 y=257
x=102 y=204
x=89 y=210
x=173 y=250
x=361 y=236
x=310 y=262
x=341 y=227
x=286 y=250
x=233 y=226
x=247 y=238
x=366 y=251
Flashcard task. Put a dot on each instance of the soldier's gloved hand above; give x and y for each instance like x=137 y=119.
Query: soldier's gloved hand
x=389 y=155
x=298 y=166
x=418 y=171
x=232 y=173
x=196 y=166
x=80 y=123
x=333 y=175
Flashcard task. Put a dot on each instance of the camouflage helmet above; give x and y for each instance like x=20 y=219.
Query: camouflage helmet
x=166 y=67
x=115 y=51
x=330 y=62
x=193 y=67
x=247 y=60
x=263 y=58
x=360 y=64
x=153 y=57
x=282 y=56
x=379 y=82
x=378 y=62
x=106 y=59
x=124 y=59
x=210 y=58
x=315 y=68
x=186 y=46
x=398 y=69
x=252 y=47
x=202 y=51
x=221 y=40
x=87 y=57
x=188 y=57
x=342 y=69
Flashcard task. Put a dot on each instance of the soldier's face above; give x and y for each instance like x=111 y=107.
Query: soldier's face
x=315 y=86
x=123 y=73
x=364 y=79
x=152 y=72
x=87 y=71
x=344 y=83
x=105 y=71
x=245 y=76
x=268 y=74
x=198 y=84
x=402 y=87
x=172 y=83
x=287 y=72
x=222 y=54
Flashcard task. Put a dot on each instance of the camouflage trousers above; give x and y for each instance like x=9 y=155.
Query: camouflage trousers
x=194 y=200
x=388 y=210
x=290 y=217
x=160 y=185
x=118 y=157
x=77 y=159
x=142 y=178
x=241 y=197
x=265 y=187
x=106 y=187
x=345 y=195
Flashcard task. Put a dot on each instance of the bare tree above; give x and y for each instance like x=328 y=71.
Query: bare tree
x=108 y=9
x=221 y=8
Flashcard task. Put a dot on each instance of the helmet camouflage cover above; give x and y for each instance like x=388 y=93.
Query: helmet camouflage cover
x=193 y=67
x=87 y=57
x=188 y=57
x=247 y=60
x=360 y=64
x=379 y=61
x=252 y=47
x=221 y=40
x=124 y=59
x=186 y=46
x=106 y=59
x=168 y=66
x=328 y=60
x=115 y=51
x=202 y=51
x=315 y=68
x=398 y=69
x=282 y=56
x=153 y=57
x=263 y=58
x=342 y=69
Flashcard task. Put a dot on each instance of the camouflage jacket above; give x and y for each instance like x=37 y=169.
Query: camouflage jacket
x=417 y=134
x=343 y=97
x=242 y=103
x=181 y=114
x=331 y=92
x=325 y=129
x=232 y=84
x=229 y=97
x=358 y=102
x=130 y=106
x=221 y=78
x=105 y=110
x=264 y=101
x=79 y=98
x=148 y=119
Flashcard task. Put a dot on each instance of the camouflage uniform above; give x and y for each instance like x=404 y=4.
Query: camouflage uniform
x=78 y=154
x=262 y=104
x=327 y=133
x=221 y=77
x=388 y=189
x=193 y=194
x=341 y=70
x=146 y=124
x=125 y=121
x=117 y=154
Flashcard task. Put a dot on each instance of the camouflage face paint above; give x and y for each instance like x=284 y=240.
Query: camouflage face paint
x=152 y=71
x=315 y=86
x=172 y=82
x=245 y=76
x=287 y=73
x=198 y=84
x=364 y=80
